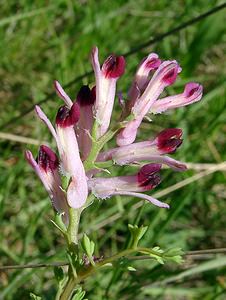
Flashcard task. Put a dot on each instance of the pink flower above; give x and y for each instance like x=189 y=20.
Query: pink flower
x=148 y=64
x=167 y=141
x=192 y=93
x=47 y=167
x=165 y=75
x=146 y=179
x=71 y=164
x=85 y=99
x=106 y=78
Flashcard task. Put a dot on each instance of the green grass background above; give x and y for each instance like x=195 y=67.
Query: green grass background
x=46 y=40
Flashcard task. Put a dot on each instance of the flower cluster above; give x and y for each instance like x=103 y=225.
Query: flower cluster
x=82 y=129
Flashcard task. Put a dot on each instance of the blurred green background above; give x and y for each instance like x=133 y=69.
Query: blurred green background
x=46 y=40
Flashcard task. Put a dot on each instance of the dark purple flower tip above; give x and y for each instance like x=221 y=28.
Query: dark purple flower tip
x=169 y=140
x=171 y=76
x=148 y=176
x=114 y=66
x=47 y=159
x=86 y=96
x=153 y=63
x=68 y=117
x=193 y=90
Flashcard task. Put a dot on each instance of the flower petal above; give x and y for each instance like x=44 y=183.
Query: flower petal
x=86 y=99
x=164 y=76
x=192 y=93
x=106 y=79
x=145 y=197
x=47 y=170
x=114 y=66
x=169 y=140
x=148 y=176
x=62 y=94
x=69 y=153
x=68 y=117
x=44 y=118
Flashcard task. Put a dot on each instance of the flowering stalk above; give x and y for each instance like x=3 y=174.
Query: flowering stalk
x=82 y=130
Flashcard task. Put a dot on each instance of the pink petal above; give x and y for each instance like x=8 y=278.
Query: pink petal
x=192 y=93
x=145 y=197
x=152 y=62
x=165 y=75
x=44 y=118
x=127 y=135
x=62 y=94
x=49 y=176
x=169 y=140
x=106 y=79
x=148 y=176
x=86 y=96
x=47 y=159
x=95 y=61
x=86 y=99
x=114 y=66
x=68 y=117
x=172 y=163
x=77 y=193
x=72 y=165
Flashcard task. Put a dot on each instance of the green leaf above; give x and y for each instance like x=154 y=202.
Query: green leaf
x=174 y=254
x=158 y=258
x=35 y=297
x=80 y=294
x=88 y=245
x=136 y=234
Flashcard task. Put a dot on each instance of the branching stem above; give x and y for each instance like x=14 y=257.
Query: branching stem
x=82 y=275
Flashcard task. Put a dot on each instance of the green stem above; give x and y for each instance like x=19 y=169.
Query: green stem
x=72 y=282
x=97 y=145
x=69 y=288
x=72 y=231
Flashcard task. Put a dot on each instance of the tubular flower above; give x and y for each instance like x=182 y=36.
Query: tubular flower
x=71 y=164
x=166 y=142
x=106 y=78
x=149 y=63
x=164 y=76
x=192 y=93
x=46 y=167
x=146 y=179
x=85 y=99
